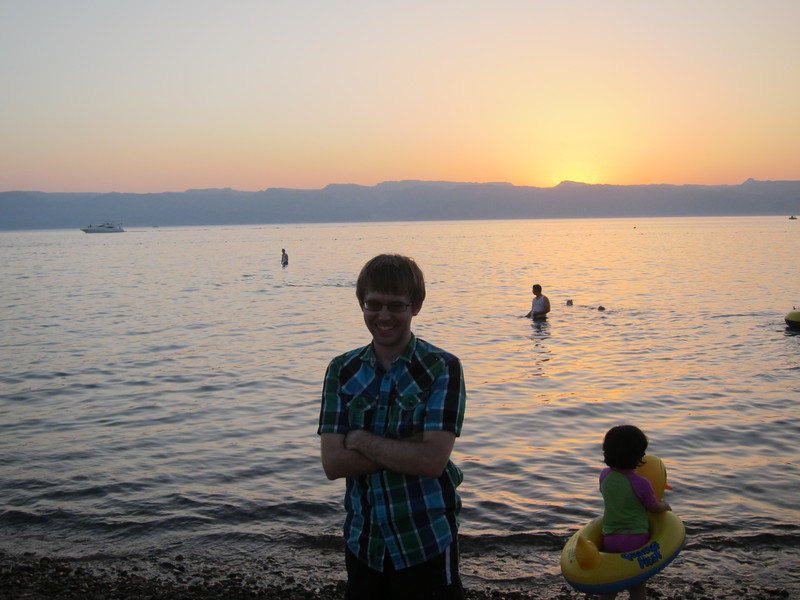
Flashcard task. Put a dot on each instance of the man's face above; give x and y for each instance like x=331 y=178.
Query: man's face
x=390 y=330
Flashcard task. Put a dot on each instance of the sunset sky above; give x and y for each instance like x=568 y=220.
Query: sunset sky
x=167 y=95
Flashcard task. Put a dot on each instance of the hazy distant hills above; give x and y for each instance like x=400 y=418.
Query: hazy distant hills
x=396 y=201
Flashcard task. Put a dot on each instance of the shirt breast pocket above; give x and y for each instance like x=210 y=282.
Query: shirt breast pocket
x=409 y=414
x=361 y=412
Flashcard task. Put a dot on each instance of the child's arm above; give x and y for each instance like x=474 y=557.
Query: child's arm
x=644 y=490
x=659 y=506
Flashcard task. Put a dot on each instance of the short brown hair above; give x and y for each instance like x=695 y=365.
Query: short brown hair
x=392 y=274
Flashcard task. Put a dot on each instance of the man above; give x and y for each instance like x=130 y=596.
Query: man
x=540 y=305
x=284 y=258
x=391 y=412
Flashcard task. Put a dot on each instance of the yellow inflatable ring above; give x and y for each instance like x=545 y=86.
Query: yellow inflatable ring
x=589 y=570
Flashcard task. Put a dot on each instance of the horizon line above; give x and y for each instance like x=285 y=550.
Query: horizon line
x=429 y=181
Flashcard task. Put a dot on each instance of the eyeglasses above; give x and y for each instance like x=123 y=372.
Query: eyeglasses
x=375 y=306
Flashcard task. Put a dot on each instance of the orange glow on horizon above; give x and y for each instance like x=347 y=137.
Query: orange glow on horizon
x=266 y=97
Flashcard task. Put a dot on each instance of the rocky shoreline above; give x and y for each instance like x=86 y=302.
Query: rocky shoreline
x=31 y=577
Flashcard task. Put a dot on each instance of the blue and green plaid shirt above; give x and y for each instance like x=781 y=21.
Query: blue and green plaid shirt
x=411 y=518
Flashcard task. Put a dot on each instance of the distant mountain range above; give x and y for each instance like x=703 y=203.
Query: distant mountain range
x=396 y=201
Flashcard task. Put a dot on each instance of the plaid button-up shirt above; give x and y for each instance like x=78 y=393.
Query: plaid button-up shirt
x=411 y=518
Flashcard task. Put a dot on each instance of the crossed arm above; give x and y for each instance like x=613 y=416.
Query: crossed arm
x=360 y=452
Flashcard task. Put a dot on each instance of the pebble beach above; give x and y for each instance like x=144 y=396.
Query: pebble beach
x=32 y=577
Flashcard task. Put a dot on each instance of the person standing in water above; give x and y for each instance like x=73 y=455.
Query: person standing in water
x=284 y=258
x=390 y=415
x=540 y=305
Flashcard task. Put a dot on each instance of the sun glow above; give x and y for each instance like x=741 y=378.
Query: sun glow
x=575 y=174
x=266 y=97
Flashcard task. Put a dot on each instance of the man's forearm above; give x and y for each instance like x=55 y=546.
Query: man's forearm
x=425 y=455
x=338 y=461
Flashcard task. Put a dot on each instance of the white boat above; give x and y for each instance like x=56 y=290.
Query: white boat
x=106 y=227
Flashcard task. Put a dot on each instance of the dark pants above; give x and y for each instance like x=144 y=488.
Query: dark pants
x=436 y=579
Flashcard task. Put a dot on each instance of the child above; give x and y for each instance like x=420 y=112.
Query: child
x=627 y=497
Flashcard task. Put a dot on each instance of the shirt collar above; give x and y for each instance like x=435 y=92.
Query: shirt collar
x=368 y=355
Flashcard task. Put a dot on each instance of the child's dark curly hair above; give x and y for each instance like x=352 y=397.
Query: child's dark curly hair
x=624 y=447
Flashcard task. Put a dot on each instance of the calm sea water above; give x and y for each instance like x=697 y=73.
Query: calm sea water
x=159 y=389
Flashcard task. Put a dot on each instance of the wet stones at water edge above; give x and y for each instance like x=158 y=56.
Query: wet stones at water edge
x=40 y=578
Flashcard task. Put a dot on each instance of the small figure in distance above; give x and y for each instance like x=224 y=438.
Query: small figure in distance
x=540 y=305
x=284 y=258
x=627 y=497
